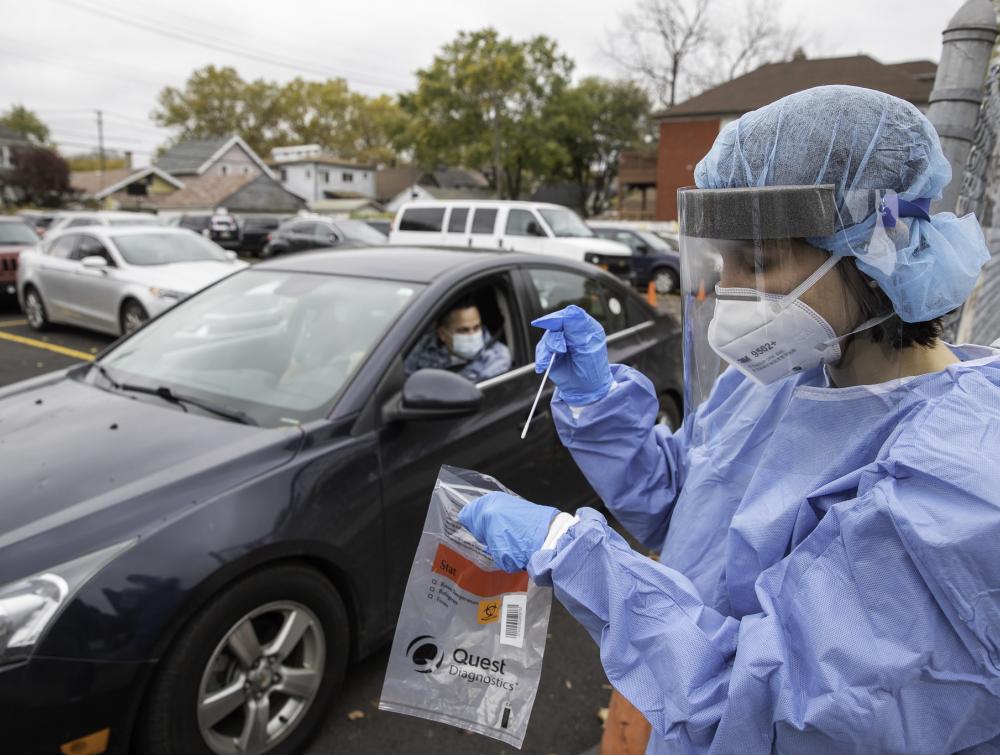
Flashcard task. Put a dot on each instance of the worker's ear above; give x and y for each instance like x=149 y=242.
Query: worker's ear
x=443 y=335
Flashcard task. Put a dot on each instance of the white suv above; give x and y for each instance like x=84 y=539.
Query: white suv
x=533 y=227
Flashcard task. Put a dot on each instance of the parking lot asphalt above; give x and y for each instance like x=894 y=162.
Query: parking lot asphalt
x=573 y=687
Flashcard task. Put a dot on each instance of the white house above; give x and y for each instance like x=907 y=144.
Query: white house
x=316 y=175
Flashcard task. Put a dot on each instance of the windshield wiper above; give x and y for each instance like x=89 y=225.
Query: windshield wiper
x=106 y=375
x=164 y=392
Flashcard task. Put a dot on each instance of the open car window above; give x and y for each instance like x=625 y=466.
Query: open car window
x=501 y=353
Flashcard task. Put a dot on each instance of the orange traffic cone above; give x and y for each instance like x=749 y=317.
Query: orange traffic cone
x=626 y=731
x=651 y=294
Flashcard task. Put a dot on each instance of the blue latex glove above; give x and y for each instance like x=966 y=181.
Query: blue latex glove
x=582 y=372
x=511 y=528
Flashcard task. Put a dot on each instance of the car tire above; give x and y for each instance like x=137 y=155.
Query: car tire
x=34 y=309
x=133 y=316
x=670 y=413
x=270 y=251
x=202 y=665
x=666 y=280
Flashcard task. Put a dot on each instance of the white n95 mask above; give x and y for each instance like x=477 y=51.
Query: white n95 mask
x=771 y=336
x=467 y=345
x=767 y=338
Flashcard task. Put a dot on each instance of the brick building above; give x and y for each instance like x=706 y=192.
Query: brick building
x=688 y=130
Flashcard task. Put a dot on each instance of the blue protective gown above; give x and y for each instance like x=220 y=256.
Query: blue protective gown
x=830 y=561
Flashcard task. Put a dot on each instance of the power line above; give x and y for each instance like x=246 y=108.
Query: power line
x=74 y=67
x=148 y=11
x=91 y=145
x=75 y=120
x=214 y=44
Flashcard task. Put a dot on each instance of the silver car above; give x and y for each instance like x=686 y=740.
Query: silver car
x=113 y=279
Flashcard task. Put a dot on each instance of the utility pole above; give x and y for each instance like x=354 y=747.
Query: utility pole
x=100 y=139
x=958 y=87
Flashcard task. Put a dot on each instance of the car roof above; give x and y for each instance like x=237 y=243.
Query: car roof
x=484 y=202
x=416 y=264
x=120 y=230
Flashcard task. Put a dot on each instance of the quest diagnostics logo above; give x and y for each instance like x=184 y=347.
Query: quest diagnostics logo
x=425 y=654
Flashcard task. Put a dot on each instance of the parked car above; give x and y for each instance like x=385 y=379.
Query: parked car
x=380 y=225
x=301 y=234
x=203 y=526
x=219 y=227
x=256 y=231
x=534 y=227
x=83 y=218
x=114 y=279
x=15 y=237
x=654 y=257
x=39 y=219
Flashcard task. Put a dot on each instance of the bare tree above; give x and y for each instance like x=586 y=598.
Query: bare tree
x=680 y=47
x=657 y=39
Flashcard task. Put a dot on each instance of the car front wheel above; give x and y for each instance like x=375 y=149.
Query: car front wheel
x=253 y=672
x=665 y=280
x=34 y=309
x=133 y=316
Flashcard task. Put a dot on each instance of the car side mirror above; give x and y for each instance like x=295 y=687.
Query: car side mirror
x=643 y=249
x=94 y=262
x=231 y=255
x=534 y=229
x=433 y=394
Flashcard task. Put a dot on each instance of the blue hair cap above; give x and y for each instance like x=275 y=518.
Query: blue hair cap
x=861 y=141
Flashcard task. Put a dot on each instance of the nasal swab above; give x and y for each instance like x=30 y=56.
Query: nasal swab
x=537 y=396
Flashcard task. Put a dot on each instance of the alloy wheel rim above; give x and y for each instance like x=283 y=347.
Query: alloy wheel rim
x=133 y=319
x=33 y=310
x=664 y=283
x=261 y=679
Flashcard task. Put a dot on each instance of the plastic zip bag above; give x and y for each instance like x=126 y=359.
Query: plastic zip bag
x=470 y=637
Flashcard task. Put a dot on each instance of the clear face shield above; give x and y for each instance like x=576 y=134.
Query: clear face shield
x=762 y=298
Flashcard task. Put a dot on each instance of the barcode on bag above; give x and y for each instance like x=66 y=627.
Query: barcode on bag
x=512 y=613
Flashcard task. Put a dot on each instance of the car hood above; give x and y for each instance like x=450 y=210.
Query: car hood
x=186 y=277
x=598 y=245
x=7 y=250
x=80 y=461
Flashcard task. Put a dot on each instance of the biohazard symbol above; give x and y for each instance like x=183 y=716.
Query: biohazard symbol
x=489 y=611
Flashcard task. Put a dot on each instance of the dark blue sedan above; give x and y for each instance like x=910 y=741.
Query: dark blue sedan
x=202 y=528
x=655 y=258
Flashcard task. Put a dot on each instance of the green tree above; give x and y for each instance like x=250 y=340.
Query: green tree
x=481 y=104
x=217 y=102
x=593 y=122
x=18 y=118
x=112 y=161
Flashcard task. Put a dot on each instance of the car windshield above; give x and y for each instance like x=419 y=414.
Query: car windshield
x=165 y=248
x=17 y=233
x=278 y=346
x=656 y=242
x=566 y=223
x=137 y=220
x=357 y=230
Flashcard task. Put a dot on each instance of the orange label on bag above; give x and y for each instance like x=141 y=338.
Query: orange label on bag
x=466 y=575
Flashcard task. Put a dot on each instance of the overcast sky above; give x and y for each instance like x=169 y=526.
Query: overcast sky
x=66 y=58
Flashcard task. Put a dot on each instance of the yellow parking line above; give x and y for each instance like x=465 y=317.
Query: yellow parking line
x=12 y=323
x=49 y=346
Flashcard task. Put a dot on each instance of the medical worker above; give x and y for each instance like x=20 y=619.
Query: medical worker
x=828 y=515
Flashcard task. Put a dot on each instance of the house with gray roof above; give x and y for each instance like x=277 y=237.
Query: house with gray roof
x=222 y=172
x=221 y=156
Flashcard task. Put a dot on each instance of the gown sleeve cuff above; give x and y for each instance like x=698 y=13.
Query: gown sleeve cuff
x=560 y=524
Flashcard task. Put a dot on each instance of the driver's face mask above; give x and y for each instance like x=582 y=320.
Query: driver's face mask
x=467 y=345
x=771 y=336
